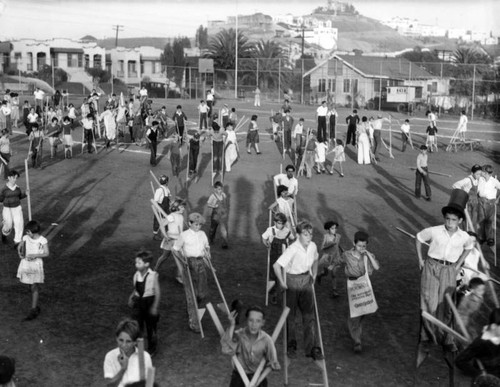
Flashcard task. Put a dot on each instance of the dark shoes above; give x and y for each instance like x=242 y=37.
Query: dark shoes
x=490 y=242
x=33 y=314
x=316 y=354
x=357 y=348
x=4 y=239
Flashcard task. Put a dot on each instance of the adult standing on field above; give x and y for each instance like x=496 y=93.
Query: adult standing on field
x=321 y=113
x=257 y=97
x=377 y=133
x=352 y=122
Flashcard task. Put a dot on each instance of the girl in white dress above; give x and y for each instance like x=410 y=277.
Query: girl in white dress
x=363 y=142
x=31 y=250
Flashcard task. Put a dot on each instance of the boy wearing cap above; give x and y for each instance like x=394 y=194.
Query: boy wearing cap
x=194 y=150
x=152 y=139
x=422 y=173
x=352 y=122
x=448 y=248
x=487 y=189
x=191 y=249
x=470 y=185
x=162 y=197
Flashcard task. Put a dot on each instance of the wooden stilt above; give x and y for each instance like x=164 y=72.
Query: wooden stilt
x=220 y=329
x=269 y=286
x=28 y=192
x=142 y=365
x=321 y=363
x=228 y=312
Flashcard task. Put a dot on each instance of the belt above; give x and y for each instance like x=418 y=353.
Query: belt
x=352 y=278
x=445 y=263
x=195 y=257
x=306 y=273
x=487 y=200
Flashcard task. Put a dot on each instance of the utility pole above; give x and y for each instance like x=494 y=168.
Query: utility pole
x=118 y=28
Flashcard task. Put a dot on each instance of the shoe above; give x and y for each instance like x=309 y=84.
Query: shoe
x=32 y=314
x=331 y=172
x=490 y=242
x=274 y=299
x=291 y=352
x=341 y=175
x=259 y=153
x=316 y=354
x=225 y=246
x=428 y=198
x=357 y=348
x=4 y=239
x=248 y=152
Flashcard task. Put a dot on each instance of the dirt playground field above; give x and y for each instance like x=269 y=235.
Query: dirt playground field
x=95 y=210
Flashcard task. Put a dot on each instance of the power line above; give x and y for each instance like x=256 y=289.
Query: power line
x=118 y=28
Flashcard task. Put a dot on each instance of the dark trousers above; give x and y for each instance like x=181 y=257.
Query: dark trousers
x=203 y=121
x=210 y=105
x=181 y=133
x=6 y=157
x=217 y=149
x=194 y=150
x=89 y=138
x=486 y=219
x=152 y=147
x=141 y=313
x=322 y=129
x=351 y=133
x=237 y=382
x=418 y=183
x=377 y=141
x=175 y=160
x=404 y=140
x=299 y=297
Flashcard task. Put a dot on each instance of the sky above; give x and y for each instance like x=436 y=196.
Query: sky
x=44 y=19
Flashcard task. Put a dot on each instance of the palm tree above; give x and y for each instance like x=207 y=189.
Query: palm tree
x=222 y=49
x=470 y=63
x=270 y=57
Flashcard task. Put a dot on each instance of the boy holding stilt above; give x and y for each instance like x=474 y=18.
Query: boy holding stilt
x=162 y=197
x=330 y=257
x=145 y=298
x=296 y=272
x=449 y=246
x=276 y=238
x=218 y=208
x=88 y=130
x=67 y=128
x=250 y=344
x=54 y=130
x=36 y=141
x=191 y=249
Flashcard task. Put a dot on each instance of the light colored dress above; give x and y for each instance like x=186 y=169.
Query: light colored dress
x=31 y=272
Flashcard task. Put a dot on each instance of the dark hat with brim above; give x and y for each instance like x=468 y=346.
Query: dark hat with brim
x=458 y=201
x=7 y=369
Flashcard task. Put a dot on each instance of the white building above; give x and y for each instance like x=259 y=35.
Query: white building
x=131 y=65
x=324 y=37
x=70 y=55
x=287 y=18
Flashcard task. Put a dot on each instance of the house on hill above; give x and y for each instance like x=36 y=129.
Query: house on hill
x=361 y=78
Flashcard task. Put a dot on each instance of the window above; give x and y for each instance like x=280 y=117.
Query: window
x=87 y=61
x=321 y=85
x=434 y=87
x=55 y=60
x=29 y=65
x=347 y=85
x=70 y=60
x=354 y=84
x=376 y=85
x=80 y=60
x=332 y=86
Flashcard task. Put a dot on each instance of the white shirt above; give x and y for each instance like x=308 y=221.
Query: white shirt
x=280 y=234
x=192 y=244
x=442 y=245
x=175 y=222
x=466 y=183
x=160 y=194
x=488 y=189
x=292 y=184
x=112 y=366
x=299 y=129
x=39 y=94
x=321 y=111
x=405 y=128
x=298 y=260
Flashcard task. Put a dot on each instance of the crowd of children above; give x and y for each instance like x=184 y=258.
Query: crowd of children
x=295 y=262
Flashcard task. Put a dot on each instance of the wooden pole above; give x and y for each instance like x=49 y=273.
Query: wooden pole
x=28 y=193
x=458 y=319
x=433 y=173
x=218 y=284
x=234 y=358
x=142 y=365
x=154 y=178
x=321 y=363
x=268 y=288
x=285 y=337
x=443 y=326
